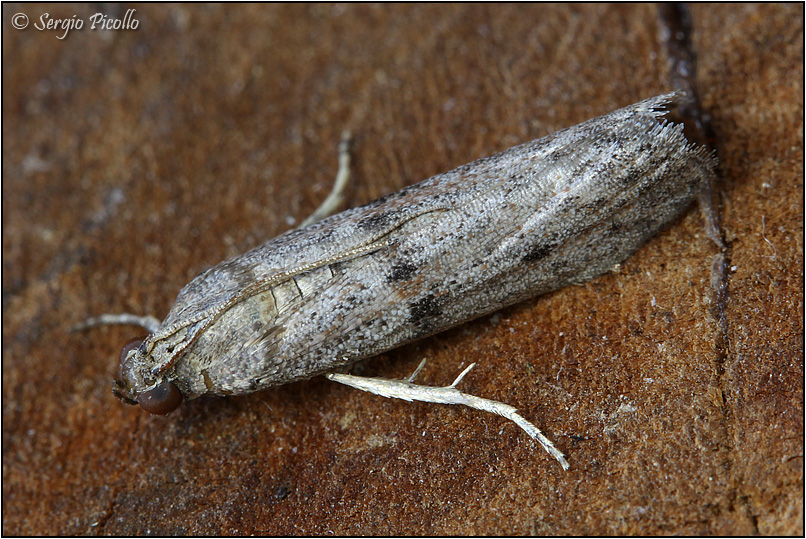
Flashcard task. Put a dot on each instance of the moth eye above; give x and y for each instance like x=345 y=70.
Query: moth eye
x=163 y=399
x=128 y=347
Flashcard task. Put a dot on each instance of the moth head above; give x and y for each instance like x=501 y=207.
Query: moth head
x=137 y=385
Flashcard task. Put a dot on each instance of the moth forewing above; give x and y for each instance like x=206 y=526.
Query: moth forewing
x=457 y=246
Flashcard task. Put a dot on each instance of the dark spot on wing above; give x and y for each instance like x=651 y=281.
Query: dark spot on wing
x=401 y=272
x=425 y=307
x=377 y=221
x=538 y=252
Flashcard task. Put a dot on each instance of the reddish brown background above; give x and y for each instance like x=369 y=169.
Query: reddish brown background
x=134 y=159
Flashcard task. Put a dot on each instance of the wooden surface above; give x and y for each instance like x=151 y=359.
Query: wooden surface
x=133 y=160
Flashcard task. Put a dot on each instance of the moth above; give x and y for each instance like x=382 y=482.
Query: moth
x=555 y=211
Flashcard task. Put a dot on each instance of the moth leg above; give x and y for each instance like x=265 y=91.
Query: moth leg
x=407 y=390
x=150 y=323
x=336 y=196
